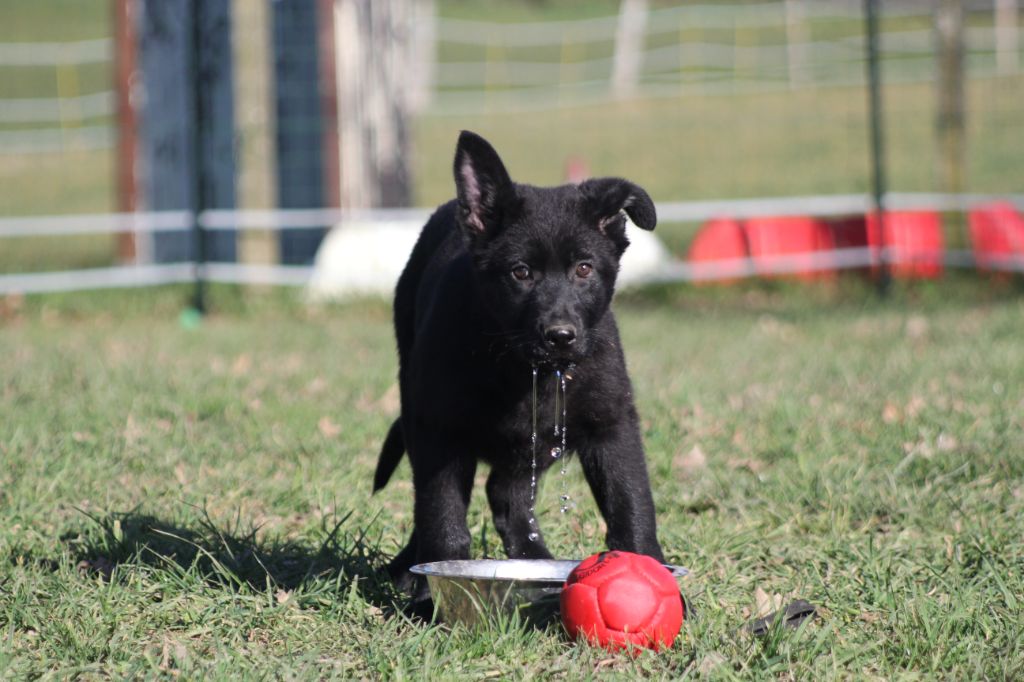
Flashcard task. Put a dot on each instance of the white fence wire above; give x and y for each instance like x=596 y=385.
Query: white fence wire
x=147 y=274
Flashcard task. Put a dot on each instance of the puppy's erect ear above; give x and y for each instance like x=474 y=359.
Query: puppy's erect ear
x=608 y=197
x=482 y=185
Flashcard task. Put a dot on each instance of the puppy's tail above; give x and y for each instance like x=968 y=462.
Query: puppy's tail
x=390 y=455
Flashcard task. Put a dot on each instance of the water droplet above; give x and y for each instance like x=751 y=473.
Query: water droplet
x=556 y=453
x=534 y=535
x=559 y=381
x=566 y=504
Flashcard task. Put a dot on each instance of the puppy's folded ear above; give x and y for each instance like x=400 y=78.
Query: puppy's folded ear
x=608 y=197
x=482 y=185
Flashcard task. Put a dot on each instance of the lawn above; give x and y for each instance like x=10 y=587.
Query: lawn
x=196 y=502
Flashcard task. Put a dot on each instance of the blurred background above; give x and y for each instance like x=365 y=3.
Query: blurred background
x=140 y=137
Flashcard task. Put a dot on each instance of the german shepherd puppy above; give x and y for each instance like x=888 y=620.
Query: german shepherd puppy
x=506 y=278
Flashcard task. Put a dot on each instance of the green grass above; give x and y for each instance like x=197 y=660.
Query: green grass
x=699 y=147
x=197 y=503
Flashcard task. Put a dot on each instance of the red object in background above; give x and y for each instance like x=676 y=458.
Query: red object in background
x=721 y=239
x=848 y=232
x=619 y=600
x=790 y=245
x=914 y=241
x=997 y=233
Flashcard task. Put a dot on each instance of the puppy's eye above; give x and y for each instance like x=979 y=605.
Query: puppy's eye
x=521 y=272
x=583 y=270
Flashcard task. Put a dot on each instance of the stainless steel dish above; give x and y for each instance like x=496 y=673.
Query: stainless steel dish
x=467 y=591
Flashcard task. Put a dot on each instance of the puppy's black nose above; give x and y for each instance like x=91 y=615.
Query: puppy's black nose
x=560 y=336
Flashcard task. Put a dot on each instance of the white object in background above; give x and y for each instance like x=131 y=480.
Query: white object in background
x=366 y=259
x=646 y=259
x=362 y=259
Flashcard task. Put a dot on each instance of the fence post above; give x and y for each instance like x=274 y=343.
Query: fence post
x=796 y=43
x=1007 y=56
x=373 y=98
x=125 y=75
x=251 y=38
x=949 y=34
x=629 y=45
x=186 y=142
x=423 y=55
x=299 y=132
x=877 y=139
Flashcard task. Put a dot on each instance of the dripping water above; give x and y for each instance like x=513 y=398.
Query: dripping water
x=557 y=452
x=534 y=535
x=565 y=501
x=559 y=384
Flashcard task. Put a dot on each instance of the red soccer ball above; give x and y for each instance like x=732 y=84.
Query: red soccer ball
x=619 y=600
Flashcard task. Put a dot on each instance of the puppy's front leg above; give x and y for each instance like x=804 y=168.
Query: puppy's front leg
x=617 y=473
x=443 y=482
x=508 y=493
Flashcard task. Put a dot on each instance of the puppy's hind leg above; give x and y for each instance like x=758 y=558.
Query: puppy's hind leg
x=443 y=480
x=398 y=567
x=415 y=586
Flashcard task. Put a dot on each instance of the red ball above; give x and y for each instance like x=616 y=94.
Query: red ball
x=619 y=599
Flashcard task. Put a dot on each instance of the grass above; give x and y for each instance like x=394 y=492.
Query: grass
x=196 y=503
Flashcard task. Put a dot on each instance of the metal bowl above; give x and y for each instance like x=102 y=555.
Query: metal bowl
x=468 y=591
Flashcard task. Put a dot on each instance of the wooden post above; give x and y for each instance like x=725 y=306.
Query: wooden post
x=949 y=34
x=125 y=75
x=1007 y=45
x=629 y=44
x=250 y=36
x=423 y=55
x=374 y=102
x=328 y=86
x=796 y=43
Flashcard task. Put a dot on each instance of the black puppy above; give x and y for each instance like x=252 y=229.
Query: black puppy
x=506 y=278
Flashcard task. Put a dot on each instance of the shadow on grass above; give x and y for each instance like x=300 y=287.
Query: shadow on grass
x=237 y=559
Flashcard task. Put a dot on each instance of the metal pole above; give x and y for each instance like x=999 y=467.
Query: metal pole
x=198 y=181
x=877 y=142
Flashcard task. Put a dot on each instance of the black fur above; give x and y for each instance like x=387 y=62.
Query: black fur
x=494 y=287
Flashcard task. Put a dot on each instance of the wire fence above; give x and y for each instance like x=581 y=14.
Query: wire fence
x=534 y=65
x=704 y=48
x=722 y=267
x=723 y=101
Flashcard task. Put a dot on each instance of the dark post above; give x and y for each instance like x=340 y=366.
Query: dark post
x=186 y=133
x=949 y=32
x=299 y=135
x=199 y=200
x=877 y=141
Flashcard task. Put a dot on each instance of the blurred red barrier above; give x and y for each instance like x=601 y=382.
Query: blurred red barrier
x=848 y=232
x=997 y=232
x=790 y=245
x=913 y=240
x=721 y=239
